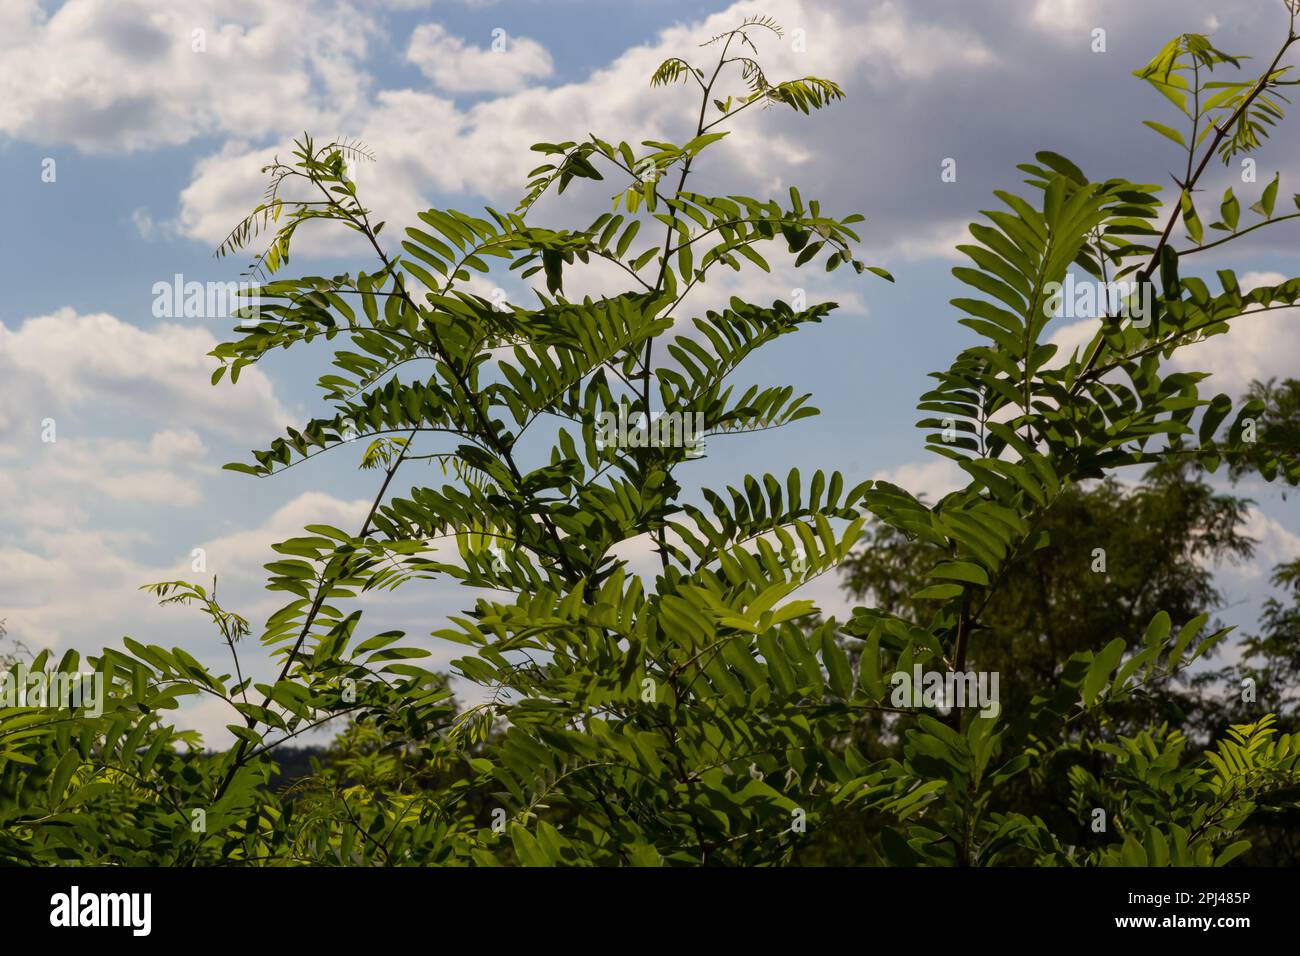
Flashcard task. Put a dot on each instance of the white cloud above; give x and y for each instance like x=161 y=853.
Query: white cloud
x=159 y=375
x=939 y=241
x=17 y=17
x=239 y=556
x=911 y=47
x=1071 y=337
x=163 y=471
x=506 y=65
x=66 y=584
x=143 y=223
x=124 y=75
x=126 y=406
x=60 y=557
x=1258 y=345
x=930 y=480
x=65 y=588
x=1064 y=17
x=425 y=144
x=1274 y=544
x=426 y=4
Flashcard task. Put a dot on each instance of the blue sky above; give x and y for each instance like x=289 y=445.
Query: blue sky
x=156 y=149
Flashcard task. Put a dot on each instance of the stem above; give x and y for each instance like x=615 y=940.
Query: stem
x=322 y=589
x=1239 y=234
x=669 y=231
x=959 y=656
x=489 y=433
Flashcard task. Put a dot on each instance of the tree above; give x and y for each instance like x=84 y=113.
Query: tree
x=1111 y=558
x=699 y=718
x=1278 y=432
x=1270 y=662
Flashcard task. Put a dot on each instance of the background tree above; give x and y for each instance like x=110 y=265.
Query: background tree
x=1276 y=453
x=1111 y=558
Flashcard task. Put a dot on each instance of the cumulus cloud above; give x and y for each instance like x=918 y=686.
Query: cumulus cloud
x=158 y=375
x=1275 y=544
x=426 y=4
x=929 y=480
x=895 y=65
x=239 y=555
x=1065 y=17
x=103 y=427
x=165 y=470
x=937 y=242
x=505 y=65
x=1258 y=345
x=913 y=48
x=70 y=588
x=426 y=144
x=125 y=75
x=72 y=583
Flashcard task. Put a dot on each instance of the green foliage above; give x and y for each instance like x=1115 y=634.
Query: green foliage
x=707 y=716
x=1109 y=559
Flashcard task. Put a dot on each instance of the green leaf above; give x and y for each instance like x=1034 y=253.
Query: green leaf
x=62 y=775
x=625 y=240
x=1190 y=219
x=1230 y=210
x=1265 y=205
x=1167 y=132
x=1101 y=668
x=961 y=571
x=837 y=665
x=938 y=592
x=1231 y=852
x=701 y=141
x=1059 y=164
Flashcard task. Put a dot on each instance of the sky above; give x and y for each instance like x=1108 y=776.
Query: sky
x=132 y=134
